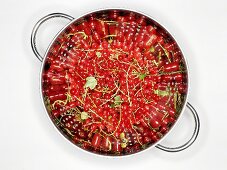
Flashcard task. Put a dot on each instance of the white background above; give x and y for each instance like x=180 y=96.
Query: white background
x=28 y=140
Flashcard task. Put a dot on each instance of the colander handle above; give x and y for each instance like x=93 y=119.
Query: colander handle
x=191 y=140
x=38 y=24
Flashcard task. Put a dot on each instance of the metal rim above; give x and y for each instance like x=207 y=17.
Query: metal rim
x=186 y=63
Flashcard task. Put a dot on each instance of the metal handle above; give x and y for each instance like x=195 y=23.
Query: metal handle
x=191 y=140
x=38 y=24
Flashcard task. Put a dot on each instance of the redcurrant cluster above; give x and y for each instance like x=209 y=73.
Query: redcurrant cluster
x=114 y=82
